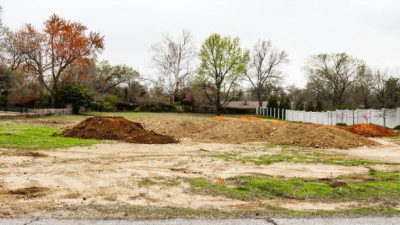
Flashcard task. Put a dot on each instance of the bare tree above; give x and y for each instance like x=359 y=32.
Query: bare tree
x=331 y=76
x=174 y=61
x=364 y=85
x=264 y=68
x=11 y=54
x=386 y=86
x=36 y=57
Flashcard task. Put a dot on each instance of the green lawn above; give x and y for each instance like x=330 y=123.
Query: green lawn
x=381 y=186
x=30 y=137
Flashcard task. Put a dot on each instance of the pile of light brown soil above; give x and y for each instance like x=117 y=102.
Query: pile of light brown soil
x=242 y=131
x=116 y=128
x=369 y=130
x=318 y=136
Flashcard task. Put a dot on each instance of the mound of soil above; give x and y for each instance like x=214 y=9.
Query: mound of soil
x=242 y=131
x=317 y=136
x=116 y=128
x=369 y=130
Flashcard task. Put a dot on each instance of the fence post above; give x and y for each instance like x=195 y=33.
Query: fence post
x=397 y=116
x=384 y=117
x=356 y=115
x=370 y=116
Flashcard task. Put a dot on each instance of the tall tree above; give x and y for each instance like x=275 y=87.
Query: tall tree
x=264 y=68
x=222 y=63
x=61 y=44
x=364 y=85
x=67 y=42
x=392 y=92
x=36 y=60
x=10 y=45
x=107 y=76
x=173 y=58
x=331 y=76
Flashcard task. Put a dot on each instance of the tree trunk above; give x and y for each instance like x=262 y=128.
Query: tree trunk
x=41 y=96
x=218 y=106
x=260 y=101
x=53 y=98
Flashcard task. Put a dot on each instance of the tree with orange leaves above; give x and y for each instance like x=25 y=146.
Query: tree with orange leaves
x=61 y=44
x=67 y=42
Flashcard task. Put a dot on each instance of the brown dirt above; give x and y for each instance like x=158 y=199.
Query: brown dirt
x=23 y=153
x=243 y=131
x=30 y=192
x=116 y=128
x=111 y=175
x=319 y=137
x=369 y=130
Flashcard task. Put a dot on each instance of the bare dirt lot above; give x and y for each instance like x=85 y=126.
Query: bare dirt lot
x=87 y=181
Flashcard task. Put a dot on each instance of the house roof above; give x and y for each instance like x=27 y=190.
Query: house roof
x=242 y=105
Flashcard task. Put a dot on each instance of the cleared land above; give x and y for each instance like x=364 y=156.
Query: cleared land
x=200 y=176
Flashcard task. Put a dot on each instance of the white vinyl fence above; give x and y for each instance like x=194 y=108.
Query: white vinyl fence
x=384 y=117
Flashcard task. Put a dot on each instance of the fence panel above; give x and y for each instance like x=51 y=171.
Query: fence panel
x=383 y=117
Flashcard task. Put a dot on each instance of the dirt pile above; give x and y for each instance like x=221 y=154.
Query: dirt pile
x=242 y=131
x=317 y=137
x=369 y=130
x=116 y=128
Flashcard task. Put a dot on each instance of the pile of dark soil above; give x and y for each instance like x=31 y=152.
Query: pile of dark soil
x=370 y=130
x=116 y=128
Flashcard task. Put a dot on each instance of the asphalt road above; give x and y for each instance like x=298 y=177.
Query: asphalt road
x=269 y=221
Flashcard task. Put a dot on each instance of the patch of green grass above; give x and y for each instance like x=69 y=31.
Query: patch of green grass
x=144 y=182
x=270 y=145
x=394 y=137
x=295 y=155
x=127 y=115
x=152 y=212
x=25 y=136
x=381 y=187
x=160 y=180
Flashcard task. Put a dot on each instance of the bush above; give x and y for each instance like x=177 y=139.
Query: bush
x=110 y=101
x=397 y=128
x=75 y=95
x=273 y=102
x=157 y=107
x=310 y=107
x=122 y=106
x=341 y=124
x=98 y=105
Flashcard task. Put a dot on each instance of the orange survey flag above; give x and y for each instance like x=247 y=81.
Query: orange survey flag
x=219 y=181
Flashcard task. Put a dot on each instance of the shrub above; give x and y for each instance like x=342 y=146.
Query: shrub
x=310 y=107
x=397 y=128
x=110 y=101
x=98 y=105
x=75 y=95
x=341 y=124
x=273 y=101
x=157 y=107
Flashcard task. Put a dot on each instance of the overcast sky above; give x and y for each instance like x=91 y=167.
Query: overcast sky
x=367 y=29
